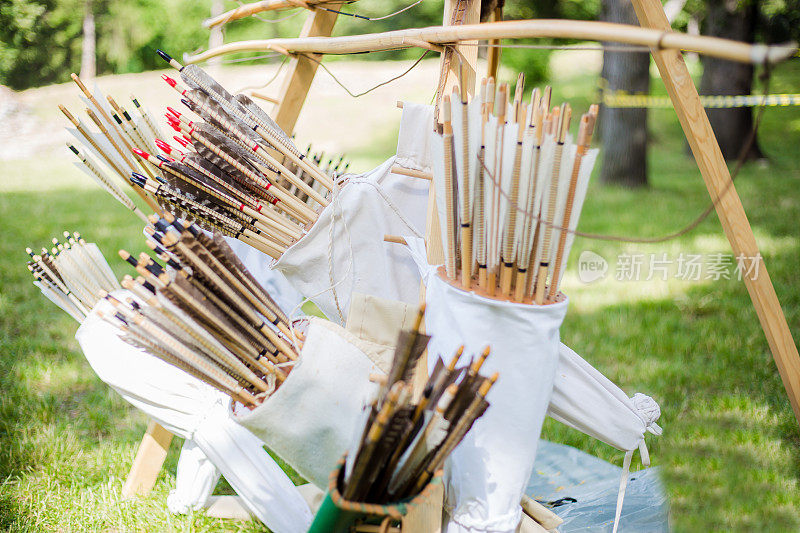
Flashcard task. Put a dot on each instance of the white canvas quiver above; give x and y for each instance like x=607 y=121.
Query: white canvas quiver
x=344 y=251
x=487 y=474
x=311 y=418
x=582 y=397
x=193 y=410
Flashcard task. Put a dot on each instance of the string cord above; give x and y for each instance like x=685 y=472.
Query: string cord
x=372 y=19
x=348 y=91
x=336 y=202
x=253 y=58
x=663 y=238
x=269 y=81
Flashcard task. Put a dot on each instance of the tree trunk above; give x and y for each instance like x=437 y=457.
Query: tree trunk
x=88 y=58
x=732 y=20
x=623 y=131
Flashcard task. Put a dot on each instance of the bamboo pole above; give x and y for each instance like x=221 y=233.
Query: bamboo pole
x=584 y=30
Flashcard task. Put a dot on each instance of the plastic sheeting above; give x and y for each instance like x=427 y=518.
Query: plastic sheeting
x=563 y=474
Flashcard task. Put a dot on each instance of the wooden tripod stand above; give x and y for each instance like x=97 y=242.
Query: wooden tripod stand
x=705 y=148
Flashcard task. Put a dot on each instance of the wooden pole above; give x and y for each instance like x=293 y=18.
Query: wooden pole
x=147 y=463
x=585 y=30
x=493 y=53
x=301 y=72
x=731 y=213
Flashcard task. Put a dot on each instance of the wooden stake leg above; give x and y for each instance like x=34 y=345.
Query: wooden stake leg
x=731 y=213
x=148 y=461
x=301 y=72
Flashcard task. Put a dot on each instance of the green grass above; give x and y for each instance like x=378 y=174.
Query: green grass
x=729 y=453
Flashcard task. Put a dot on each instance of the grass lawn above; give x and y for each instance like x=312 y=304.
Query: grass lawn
x=729 y=453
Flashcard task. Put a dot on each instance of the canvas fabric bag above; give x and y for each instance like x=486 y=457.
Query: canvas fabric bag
x=586 y=400
x=486 y=475
x=193 y=410
x=581 y=396
x=195 y=479
x=378 y=322
x=344 y=251
x=311 y=418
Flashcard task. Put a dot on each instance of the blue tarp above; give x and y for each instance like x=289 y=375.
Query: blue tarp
x=563 y=474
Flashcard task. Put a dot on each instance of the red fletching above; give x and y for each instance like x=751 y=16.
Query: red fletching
x=181 y=140
x=170 y=81
x=166 y=148
x=141 y=153
x=173 y=112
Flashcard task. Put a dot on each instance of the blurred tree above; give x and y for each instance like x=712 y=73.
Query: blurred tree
x=534 y=62
x=41 y=40
x=89 y=44
x=731 y=19
x=623 y=131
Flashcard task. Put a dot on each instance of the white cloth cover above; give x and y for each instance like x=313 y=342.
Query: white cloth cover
x=195 y=480
x=487 y=473
x=344 y=251
x=582 y=398
x=193 y=410
x=310 y=420
x=586 y=400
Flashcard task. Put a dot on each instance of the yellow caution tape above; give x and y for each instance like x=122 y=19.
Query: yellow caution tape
x=624 y=99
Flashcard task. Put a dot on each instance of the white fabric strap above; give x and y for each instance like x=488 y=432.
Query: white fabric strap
x=623 y=484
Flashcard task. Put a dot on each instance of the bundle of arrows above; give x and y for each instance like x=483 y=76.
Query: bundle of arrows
x=72 y=274
x=236 y=172
x=510 y=185
x=202 y=311
x=404 y=444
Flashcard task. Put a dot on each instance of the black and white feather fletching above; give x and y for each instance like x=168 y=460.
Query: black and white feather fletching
x=229 y=147
x=265 y=121
x=197 y=78
x=216 y=115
